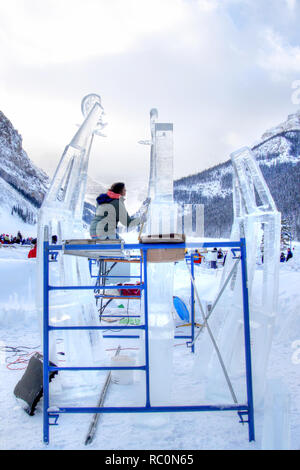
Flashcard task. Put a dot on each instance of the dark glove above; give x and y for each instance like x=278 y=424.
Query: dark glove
x=147 y=201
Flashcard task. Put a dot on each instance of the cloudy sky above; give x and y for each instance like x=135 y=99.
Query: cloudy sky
x=220 y=70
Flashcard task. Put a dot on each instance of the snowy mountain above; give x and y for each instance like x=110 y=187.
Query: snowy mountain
x=278 y=154
x=22 y=184
x=15 y=210
x=16 y=168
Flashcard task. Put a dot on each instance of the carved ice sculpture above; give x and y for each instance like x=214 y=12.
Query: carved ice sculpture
x=61 y=213
x=257 y=219
x=162 y=210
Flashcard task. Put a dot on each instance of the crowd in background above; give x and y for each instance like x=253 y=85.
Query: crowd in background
x=6 y=239
x=285 y=257
x=218 y=257
x=210 y=257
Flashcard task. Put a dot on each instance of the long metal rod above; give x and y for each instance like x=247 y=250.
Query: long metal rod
x=121 y=336
x=142 y=246
x=93 y=426
x=182 y=337
x=214 y=341
x=52 y=368
x=192 y=306
x=120 y=316
x=217 y=299
x=121 y=277
x=45 y=341
x=224 y=287
x=152 y=409
x=146 y=329
x=135 y=286
x=247 y=341
x=121 y=327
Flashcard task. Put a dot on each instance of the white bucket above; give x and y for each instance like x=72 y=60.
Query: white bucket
x=123 y=377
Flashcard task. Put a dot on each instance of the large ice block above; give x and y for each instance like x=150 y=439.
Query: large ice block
x=162 y=220
x=163 y=162
x=161 y=331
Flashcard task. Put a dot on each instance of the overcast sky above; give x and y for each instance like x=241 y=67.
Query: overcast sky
x=220 y=70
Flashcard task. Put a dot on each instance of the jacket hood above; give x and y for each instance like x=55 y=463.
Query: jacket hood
x=103 y=199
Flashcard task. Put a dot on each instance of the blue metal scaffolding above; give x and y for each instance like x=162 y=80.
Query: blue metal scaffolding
x=50 y=416
x=137 y=259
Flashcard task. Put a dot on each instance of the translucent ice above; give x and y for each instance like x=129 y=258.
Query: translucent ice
x=161 y=159
x=257 y=219
x=61 y=213
x=161 y=331
x=276 y=427
x=162 y=220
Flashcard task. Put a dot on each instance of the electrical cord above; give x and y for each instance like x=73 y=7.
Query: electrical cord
x=17 y=357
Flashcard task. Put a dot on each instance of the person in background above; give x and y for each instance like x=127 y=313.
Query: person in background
x=214 y=257
x=54 y=242
x=197 y=257
x=282 y=258
x=32 y=252
x=289 y=254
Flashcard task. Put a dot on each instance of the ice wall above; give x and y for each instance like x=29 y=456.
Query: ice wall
x=17 y=288
x=61 y=214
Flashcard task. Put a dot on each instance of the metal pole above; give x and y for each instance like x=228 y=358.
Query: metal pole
x=214 y=342
x=46 y=340
x=93 y=426
x=147 y=372
x=247 y=341
x=192 y=305
x=217 y=298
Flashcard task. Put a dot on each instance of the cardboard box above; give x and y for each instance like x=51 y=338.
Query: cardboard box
x=164 y=255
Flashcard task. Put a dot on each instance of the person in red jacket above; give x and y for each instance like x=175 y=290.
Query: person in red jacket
x=197 y=257
x=32 y=252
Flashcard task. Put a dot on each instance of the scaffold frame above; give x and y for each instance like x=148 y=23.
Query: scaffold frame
x=50 y=416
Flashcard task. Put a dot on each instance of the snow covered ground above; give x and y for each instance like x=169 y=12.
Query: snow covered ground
x=218 y=430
